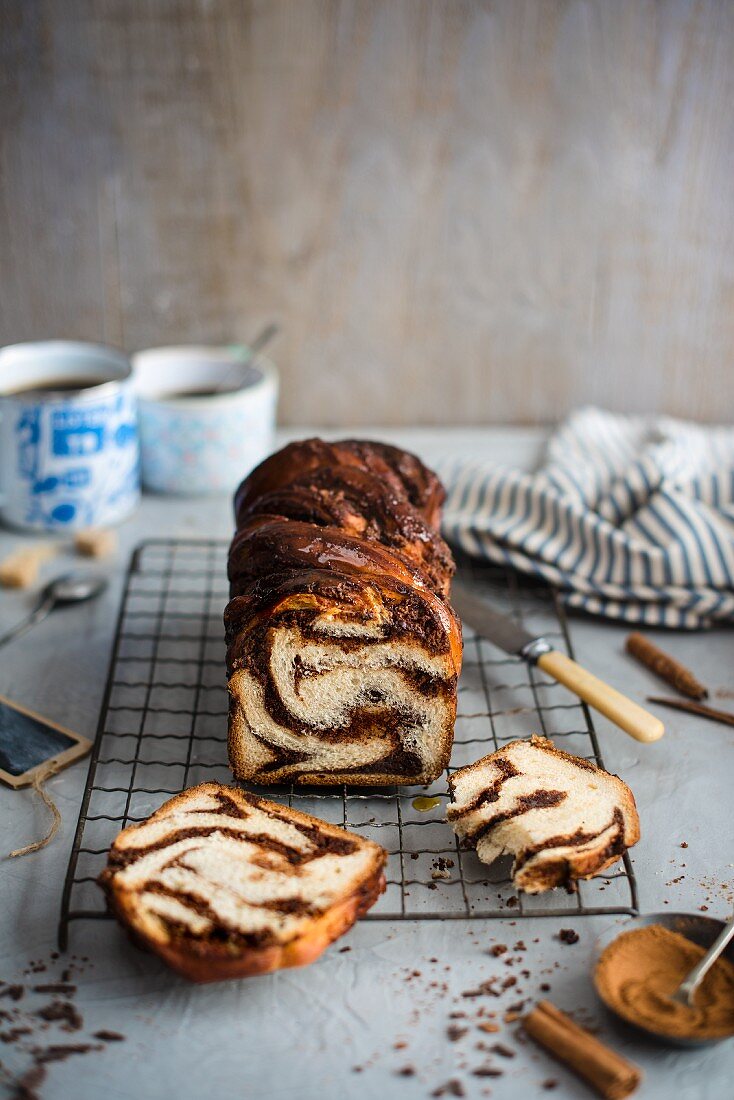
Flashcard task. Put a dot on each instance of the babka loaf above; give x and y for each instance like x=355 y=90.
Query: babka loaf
x=343 y=653
x=560 y=816
x=223 y=884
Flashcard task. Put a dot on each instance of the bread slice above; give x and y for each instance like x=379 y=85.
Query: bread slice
x=560 y=816
x=223 y=884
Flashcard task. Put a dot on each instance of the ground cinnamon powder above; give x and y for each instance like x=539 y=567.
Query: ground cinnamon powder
x=638 y=972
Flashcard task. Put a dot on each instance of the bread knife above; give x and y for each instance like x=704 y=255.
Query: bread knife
x=502 y=631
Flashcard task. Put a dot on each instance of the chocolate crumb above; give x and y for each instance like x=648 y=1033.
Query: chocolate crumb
x=13 y=1034
x=544 y=987
x=106 y=1036
x=64 y=1012
x=453 y=1087
x=61 y=1052
x=454 y=1032
x=25 y=1087
x=487 y=1071
x=415 y=855
x=406 y=1071
x=342 y=950
x=512 y=902
x=509 y=981
x=486 y=989
x=684 y=845
x=64 y=988
x=15 y=992
x=568 y=935
x=550 y=1083
x=498 y=949
x=503 y=1051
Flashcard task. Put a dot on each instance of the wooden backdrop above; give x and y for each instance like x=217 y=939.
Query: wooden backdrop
x=460 y=210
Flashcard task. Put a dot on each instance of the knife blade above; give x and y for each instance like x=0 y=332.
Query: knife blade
x=500 y=629
x=508 y=635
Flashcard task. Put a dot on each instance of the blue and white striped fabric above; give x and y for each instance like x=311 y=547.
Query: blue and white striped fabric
x=631 y=517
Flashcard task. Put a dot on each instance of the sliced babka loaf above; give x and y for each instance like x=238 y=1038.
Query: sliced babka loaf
x=560 y=816
x=343 y=654
x=223 y=884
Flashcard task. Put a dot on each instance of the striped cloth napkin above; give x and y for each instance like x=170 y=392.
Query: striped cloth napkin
x=631 y=517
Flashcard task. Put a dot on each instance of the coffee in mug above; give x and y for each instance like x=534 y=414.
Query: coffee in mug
x=69 y=453
x=53 y=385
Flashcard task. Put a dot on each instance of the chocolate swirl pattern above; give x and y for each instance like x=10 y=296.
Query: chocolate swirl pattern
x=221 y=883
x=343 y=654
x=560 y=816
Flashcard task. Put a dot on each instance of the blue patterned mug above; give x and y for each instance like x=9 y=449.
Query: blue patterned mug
x=68 y=436
x=206 y=417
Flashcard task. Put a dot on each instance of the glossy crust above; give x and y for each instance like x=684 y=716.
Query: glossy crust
x=206 y=961
x=402 y=472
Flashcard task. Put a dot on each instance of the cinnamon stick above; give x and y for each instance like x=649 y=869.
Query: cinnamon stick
x=665 y=666
x=724 y=716
x=612 y=1076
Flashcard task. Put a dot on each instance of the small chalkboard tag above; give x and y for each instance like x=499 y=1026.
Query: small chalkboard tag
x=31 y=745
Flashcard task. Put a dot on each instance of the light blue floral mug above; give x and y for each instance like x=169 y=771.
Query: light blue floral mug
x=68 y=436
x=206 y=414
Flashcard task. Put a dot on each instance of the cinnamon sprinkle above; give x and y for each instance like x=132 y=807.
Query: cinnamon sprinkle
x=637 y=974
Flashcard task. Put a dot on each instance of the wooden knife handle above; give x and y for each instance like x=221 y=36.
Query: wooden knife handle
x=633 y=719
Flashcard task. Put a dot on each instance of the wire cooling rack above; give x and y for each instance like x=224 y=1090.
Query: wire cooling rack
x=163 y=727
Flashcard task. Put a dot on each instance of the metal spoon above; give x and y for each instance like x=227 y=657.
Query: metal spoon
x=687 y=988
x=253 y=350
x=69 y=589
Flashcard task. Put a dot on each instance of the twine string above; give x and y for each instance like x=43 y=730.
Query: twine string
x=42 y=775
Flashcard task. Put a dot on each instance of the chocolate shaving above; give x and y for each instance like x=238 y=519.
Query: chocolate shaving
x=453 y=1087
x=487 y=1071
x=454 y=1032
x=107 y=1036
x=503 y=1051
x=15 y=992
x=60 y=1052
x=25 y=1086
x=64 y=1013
